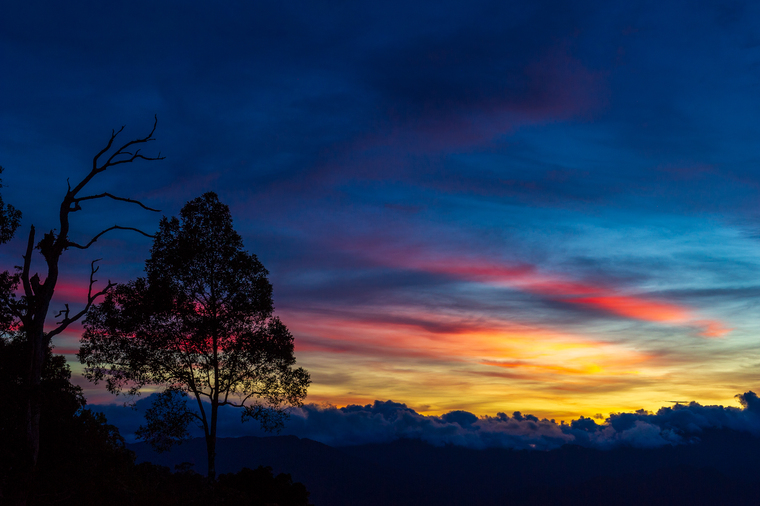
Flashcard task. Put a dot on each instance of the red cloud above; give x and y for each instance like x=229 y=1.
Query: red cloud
x=527 y=278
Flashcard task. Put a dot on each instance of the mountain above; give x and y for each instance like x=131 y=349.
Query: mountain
x=332 y=476
x=721 y=469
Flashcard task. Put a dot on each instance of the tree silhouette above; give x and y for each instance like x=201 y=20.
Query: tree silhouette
x=200 y=321
x=29 y=314
x=10 y=218
x=80 y=454
x=262 y=488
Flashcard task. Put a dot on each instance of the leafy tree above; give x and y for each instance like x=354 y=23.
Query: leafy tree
x=82 y=458
x=10 y=218
x=201 y=322
x=259 y=487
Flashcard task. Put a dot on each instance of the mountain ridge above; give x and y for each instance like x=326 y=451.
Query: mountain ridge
x=413 y=472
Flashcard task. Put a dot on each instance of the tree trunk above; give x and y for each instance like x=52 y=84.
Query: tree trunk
x=27 y=467
x=36 y=340
x=211 y=450
x=38 y=348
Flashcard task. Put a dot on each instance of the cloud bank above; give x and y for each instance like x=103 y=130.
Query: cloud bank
x=386 y=421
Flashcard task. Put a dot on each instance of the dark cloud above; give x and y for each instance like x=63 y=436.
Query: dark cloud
x=493 y=57
x=383 y=422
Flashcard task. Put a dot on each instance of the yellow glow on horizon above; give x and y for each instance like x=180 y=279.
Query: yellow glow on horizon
x=488 y=367
x=438 y=363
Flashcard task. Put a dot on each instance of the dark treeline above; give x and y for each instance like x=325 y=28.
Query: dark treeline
x=720 y=469
x=84 y=460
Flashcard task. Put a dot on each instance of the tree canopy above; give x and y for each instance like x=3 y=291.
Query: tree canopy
x=81 y=455
x=200 y=322
x=10 y=218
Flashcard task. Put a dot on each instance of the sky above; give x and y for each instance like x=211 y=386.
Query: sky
x=545 y=207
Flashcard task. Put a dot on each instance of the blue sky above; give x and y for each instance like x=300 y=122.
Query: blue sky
x=540 y=206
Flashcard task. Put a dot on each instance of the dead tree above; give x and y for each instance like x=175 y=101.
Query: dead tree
x=32 y=310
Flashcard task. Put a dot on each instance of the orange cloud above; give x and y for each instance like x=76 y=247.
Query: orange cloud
x=480 y=365
x=489 y=342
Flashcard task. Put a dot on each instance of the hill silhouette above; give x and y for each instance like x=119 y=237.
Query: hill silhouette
x=721 y=468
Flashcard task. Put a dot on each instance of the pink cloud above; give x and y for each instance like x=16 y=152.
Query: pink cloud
x=528 y=278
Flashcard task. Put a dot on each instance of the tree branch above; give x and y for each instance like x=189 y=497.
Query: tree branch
x=90 y=300
x=135 y=155
x=104 y=195
x=114 y=134
x=72 y=244
x=121 y=151
x=63 y=312
x=242 y=402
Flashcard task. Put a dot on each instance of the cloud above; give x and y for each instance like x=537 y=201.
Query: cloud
x=386 y=421
x=515 y=133
x=529 y=278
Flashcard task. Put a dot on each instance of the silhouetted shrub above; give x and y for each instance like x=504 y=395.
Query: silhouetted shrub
x=259 y=487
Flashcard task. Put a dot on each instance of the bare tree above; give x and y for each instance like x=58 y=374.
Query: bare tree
x=33 y=307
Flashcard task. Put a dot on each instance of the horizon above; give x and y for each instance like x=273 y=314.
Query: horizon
x=540 y=207
x=384 y=422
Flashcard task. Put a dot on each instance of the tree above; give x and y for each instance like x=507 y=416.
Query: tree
x=10 y=218
x=201 y=322
x=82 y=458
x=29 y=314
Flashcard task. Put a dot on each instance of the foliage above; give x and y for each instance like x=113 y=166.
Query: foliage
x=200 y=321
x=157 y=485
x=83 y=459
x=259 y=487
x=80 y=453
x=10 y=218
x=168 y=419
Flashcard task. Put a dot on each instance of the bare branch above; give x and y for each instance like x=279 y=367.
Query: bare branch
x=64 y=312
x=112 y=160
x=94 y=239
x=108 y=195
x=121 y=150
x=91 y=298
x=134 y=157
x=108 y=146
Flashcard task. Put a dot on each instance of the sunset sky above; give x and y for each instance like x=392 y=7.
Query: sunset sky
x=550 y=207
